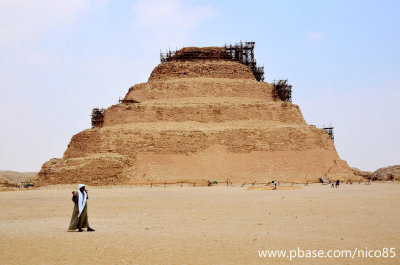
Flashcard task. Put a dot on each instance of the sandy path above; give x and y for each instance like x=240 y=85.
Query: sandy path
x=202 y=225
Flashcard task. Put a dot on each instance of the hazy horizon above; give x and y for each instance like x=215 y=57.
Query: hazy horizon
x=59 y=59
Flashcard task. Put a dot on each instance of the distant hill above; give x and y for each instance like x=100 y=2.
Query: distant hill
x=13 y=177
x=384 y=173
x=387 y=173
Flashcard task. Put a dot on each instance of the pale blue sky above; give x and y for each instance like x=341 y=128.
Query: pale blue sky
x=58 y=59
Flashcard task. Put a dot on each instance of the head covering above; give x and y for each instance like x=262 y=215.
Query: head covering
x=82 y=199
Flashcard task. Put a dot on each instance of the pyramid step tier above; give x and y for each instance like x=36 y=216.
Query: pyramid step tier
x=218 y=110
x=191 y=137
x=213 y=163
x=200 y=87
x=200 y=68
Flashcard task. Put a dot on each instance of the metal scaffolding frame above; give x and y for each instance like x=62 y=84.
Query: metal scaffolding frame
x=123 y=100
x=283 y=90
x=97 y=117
x=242 y=52
x=329 y=130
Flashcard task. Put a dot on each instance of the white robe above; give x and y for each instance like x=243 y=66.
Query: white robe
x=82 y=199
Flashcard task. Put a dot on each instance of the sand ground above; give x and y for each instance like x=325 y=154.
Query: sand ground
x=201 y=225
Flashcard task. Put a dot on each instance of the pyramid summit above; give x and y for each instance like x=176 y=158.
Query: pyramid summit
x=204 y=114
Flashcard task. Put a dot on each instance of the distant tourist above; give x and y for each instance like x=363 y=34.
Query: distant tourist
x=337 y=183
x=333 y=184
x=79 y=217
x=275 y=184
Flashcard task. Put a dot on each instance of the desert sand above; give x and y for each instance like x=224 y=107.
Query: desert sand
x=198 y=225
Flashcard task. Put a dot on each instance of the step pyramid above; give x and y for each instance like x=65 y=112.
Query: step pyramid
x=198 y=118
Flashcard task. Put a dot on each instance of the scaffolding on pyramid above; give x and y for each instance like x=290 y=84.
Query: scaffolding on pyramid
x=97 y=117
x=283 y=90
x=329 y=130
x=242 y=52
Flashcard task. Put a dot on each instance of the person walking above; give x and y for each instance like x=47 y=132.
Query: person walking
x=79 y=217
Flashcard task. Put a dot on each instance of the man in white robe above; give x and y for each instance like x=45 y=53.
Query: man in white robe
x=79 y=217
